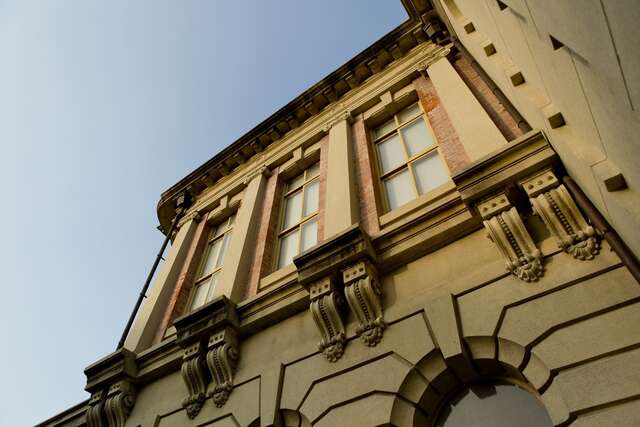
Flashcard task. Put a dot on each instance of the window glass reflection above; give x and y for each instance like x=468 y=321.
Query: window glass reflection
x=494 y=405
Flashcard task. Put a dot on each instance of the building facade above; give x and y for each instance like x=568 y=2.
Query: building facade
x=442 y=232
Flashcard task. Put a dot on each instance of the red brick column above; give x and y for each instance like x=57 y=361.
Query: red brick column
x=324 y=142
x=263 y=255
x=182 y=289
x=503 y=120
x=365 y=180
x=450 y=146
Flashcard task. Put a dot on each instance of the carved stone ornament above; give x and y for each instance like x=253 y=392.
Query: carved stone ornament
x=506 y=229
x=363 y=292
x=553 y=203
x=121 y=397
x=196 y=378
x=94 y=415
x=325 y=309
x=222 y=359
x=111 y=384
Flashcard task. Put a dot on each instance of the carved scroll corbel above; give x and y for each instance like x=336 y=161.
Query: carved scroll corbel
x=325 y=308
x=121 y=397
x=507 y=231
x=222 y=359
x=95 y=410
x=363 y=292
x=196 y=378
x=553 y=203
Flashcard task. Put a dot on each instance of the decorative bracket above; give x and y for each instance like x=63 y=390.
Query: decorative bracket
x=209 y=339
x=507 y=231
x=553 y=203
x=196 y=378
x=363 y=292
x=325 y=308
x=222 y=358
x=111 y=384
x=94 y=414
x=121 y=397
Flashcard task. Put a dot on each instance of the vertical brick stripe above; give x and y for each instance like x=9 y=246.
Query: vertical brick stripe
x=503 y=120
x=184 y=284
x=263 y=256
x=365 y=180
x=451 y=148
x=324 y=146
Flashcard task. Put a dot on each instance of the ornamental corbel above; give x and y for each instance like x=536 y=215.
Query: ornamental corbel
x=326 y=310
x=94 y=414
x=506 y=229
x=552 y=202
x=363 y=292
x=195 y=377
x=121 y=397
x=222 y=359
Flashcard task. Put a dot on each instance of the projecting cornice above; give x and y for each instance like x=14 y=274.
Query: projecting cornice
x=421 y=26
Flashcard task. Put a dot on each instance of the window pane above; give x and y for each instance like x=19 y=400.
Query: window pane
x=213 y=282
x=384 y=129
x=223 y=248
x=295 y=182
x=409 y=113
x=313 y=171
x=292 y=210
x=311 y=198
x=417 y=137
x=391 y=153
x=429 y=172
x=499 y=405
x=210 y=256
x=399 y=189
x=309 y=235
x=288 y=249
x=199 y=295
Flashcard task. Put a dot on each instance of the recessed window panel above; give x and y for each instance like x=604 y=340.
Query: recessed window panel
x=210 y=257
x=213 y=282
x=288 y=248
x=384 y=129
x=309 y=235
x=391 y=153
x=399 y=189
x=295 y=182
x=313 y=171
x=409 y=113
x=223 y=249
x=199 y=295
x=494 y=405
x=311 y=192
x=416 y=137
x=429 y=172
x=292 y=209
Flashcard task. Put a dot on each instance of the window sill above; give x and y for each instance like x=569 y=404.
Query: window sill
x=392 y=217
x=283 y=275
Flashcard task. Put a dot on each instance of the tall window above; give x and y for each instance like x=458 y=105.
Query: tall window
x=210 y=266
x=299 y=220
x=408 y=160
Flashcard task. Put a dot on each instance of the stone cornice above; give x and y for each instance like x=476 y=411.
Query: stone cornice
x=310 y=103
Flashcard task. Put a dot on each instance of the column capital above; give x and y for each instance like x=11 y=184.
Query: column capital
x=338 y=114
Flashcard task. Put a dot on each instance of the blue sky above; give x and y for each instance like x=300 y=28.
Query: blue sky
x=103 y=105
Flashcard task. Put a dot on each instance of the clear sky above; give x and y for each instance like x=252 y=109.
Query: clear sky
x=103 y=105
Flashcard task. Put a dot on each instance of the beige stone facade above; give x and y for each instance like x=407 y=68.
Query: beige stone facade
x=496 y=275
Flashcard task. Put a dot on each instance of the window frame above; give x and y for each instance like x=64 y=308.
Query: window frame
x=287 y=193
x=409 y=160
x=200 y=279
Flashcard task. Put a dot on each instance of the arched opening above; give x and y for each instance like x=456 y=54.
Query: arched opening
x=494 y=404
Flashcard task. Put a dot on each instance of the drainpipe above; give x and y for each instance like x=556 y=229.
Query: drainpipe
x=181 y=203
x=600 y=223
